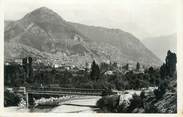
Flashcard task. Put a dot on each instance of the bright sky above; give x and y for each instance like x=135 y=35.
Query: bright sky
x=143 y=18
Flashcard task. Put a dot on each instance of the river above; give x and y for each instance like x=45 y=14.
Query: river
x=81 y=104
x=84 y=104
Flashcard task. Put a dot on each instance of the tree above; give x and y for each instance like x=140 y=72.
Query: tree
x=24 y=62
x=95 y=71
x=163 y=71
x=169 y=67
x=30 y=69
x=115 y=65
x=161 y=90
x=151 y=70
x=171 y=61
x=104 y=67
x=138 y=66
x=166 y=70
x=10 y=98
x=126 y=67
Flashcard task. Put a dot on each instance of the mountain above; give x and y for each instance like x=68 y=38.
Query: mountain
x=45 y=35
x=135 y=29
x=160 y=45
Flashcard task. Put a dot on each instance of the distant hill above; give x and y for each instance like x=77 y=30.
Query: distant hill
x=44 y=33
x=160 y=45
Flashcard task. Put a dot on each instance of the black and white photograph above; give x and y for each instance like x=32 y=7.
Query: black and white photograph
x=90 y=56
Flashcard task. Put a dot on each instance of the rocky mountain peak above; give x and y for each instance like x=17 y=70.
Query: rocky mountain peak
x=44 y=15
x=44 y=30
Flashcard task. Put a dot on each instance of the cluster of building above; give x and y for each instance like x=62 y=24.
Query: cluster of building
x=38 y=64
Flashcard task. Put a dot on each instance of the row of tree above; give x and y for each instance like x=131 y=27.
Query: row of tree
x=15 y=75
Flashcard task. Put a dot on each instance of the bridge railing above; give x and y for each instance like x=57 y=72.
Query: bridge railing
x=66 y=89
x=58 y=90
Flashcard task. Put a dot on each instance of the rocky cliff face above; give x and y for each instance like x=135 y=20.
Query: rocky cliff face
x=43 y=32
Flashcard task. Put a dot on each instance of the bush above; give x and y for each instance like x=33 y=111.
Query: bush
x=142 y=95
x=108 y=103
x=100 y=103
x=135 y=102
x=122 y=108
x=160 y=91
x=150 y=108
x=157 y=94
x=11 y=99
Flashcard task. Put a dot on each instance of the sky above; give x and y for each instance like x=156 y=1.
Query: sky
x=143 y=18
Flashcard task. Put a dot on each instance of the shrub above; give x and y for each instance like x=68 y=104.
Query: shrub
x=122 y=108
x=11 y=99
x=108 y=103
x=142 y=95
x=157 y=94
x=135 y=102
x=160 y=91
x=150 y=108
x=100 y=103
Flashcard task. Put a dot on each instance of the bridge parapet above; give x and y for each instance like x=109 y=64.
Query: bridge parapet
x=60 y=89
x=32 y=92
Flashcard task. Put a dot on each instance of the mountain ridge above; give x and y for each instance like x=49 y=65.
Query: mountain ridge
x=161 y=44
x=45 y=31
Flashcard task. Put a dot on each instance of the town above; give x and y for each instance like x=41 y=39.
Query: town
x=106 y=79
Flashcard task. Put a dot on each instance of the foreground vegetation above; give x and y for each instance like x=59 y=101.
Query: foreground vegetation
x=11 y=99
x=104 y=76
x=161 y=100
